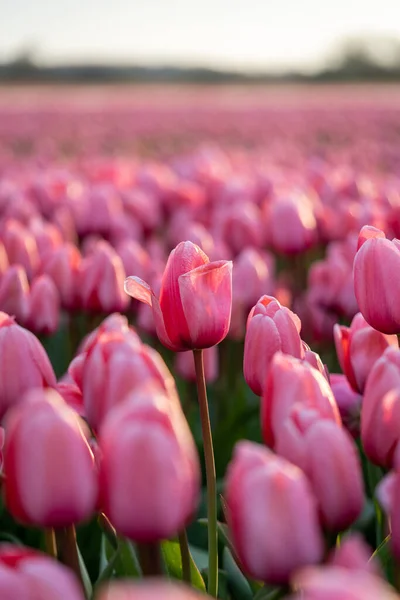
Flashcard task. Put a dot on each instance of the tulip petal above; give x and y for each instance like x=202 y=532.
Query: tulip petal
x=139 y=289
x=206 y=295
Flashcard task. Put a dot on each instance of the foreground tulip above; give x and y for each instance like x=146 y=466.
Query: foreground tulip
x=270 y=328
x=381 y=409
x=338 y=583
x=194 y=308
x=29 y=575
x=358 y=347
x=20 y=348
x=150 y=475
x=149 y=590
x=292 y=382
x=375 y=283
x=116 y=366
x=56 y=485
x=272 y=514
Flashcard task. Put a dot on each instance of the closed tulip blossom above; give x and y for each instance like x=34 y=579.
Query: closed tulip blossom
x=272 y=514
x=29 y=575
x=150 y=474
x=56 y=485
x=338 y=583
x=116 y=366
x=193 y=310
x=381 y=409
x=152 y=589
x=358 y=347
x=291 y=382
x=20 y=348
x=44 y=306
x=271 y=328
x=14 y=293
x=375 y=284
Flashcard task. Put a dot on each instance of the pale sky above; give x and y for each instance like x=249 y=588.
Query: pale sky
x=226 y=33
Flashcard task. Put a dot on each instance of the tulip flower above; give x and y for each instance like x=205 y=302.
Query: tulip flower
x=26 y=574
x=375 y=284
x=44 y=306
x=338 y=583
x=56 y=485
x=292 y=382
x=272 y=514
x=381 y=409
x=115 y=367
x=62 y=265
x=353 y=553
x=358 y=347
x=194 y=307
x=21 y=247
x=19 y=348
x=152 y=589
x=348 y=401
x=270 y=328
x=150 y=474
x=14 y=293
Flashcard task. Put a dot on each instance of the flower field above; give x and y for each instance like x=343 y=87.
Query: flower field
x=200 y=366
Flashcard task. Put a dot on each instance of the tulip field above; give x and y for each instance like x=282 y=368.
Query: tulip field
x=199 y=355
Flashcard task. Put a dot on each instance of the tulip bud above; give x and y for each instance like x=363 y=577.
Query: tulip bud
x=26 y=574
x=14 y=293
x=62 y=265
x=194 y=308
x=291 y=224
x=358 y=347
x=56 y=485
x=271 y=328
x=375 y=284
x=292 y=382
x=354 y=554
x=44 y=306
x=149 y=590
x=19 y=347
x=381 y=409
x=338 y=583
x=272 y=514
x=100 y=277
x=150 y=473
x=115 y=367
x=21 y=247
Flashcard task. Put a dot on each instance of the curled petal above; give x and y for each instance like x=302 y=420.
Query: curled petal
x=139 y=289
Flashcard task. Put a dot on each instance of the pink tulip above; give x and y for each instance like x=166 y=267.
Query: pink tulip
x=100 y=279
x=358 y=347
x=29 y=575
x=291 y=224
x=115 y=367
x=184 y=365
x=44 y=306
x=14 y=293
x=354 y=554
x=338 y=583
x=381 y=409
x=19 y=347
x=272 y=514
x=194 y=308
x=149 y=590
x=271 y=328
x=62 y=266
x=56 y=485
x=292 y=382
x=375 y=285
x=21 y=247
x=150 y=473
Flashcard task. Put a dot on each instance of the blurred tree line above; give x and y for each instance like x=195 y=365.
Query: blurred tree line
x=358 y=60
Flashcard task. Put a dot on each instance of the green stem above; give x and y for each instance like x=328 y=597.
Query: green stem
x=210 y=476
x=68 y=550
x=50 y=542
x=150 y=558
x=185 y=556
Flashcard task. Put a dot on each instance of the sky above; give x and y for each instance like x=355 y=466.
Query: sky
x=238 y=34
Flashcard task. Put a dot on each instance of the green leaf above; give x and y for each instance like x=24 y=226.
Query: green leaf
x=384 y=554
x=238 y=583
x=223 y=531
x=127 y=564
x=85 y=575
x=269 y=593
x=173 y=562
